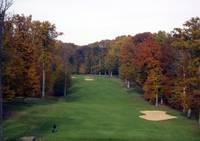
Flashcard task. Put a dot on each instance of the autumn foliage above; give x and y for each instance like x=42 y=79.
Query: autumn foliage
x=27 y=44
x=166 y=66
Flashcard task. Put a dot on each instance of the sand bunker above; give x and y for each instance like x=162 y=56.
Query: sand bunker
x=156 y=115
x=73 y=77
x=88 y=79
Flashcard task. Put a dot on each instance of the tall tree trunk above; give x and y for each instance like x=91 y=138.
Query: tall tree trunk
x=156 y=99
x=111 y=73
x=161 y=101
x=1 y=93
x=43 y=80
x=189 y=113
x=184 y=92
x=128 y=84
x=184 y=95
x=99 y=67
x=65 y=83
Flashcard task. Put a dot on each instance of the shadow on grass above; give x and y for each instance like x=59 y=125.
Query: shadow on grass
x=135 y=89
x=73 y=89
x=39 y=128
x=72 y=96
x=21 y=104
x=107 y=139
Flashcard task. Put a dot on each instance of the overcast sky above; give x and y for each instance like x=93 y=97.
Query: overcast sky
x=87 y=21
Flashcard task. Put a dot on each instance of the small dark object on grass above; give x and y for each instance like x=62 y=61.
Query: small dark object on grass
x=54 y=128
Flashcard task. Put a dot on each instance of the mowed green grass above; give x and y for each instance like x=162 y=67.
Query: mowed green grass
x=99 y=110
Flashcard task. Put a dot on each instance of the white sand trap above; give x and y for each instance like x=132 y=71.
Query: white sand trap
x=156 y=115
x=73 y=77
x=88 y=79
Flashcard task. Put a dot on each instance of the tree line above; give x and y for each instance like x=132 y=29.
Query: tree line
x=165 y=65
x=35 y=63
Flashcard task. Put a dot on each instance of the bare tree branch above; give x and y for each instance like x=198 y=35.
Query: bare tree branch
x=5 y=5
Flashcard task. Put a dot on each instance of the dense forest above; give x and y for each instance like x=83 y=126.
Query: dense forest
x=33 y=60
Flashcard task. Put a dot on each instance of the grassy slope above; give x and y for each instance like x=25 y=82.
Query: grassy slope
x=99 y=110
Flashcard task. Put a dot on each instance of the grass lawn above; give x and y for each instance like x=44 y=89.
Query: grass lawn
x=99 y=110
